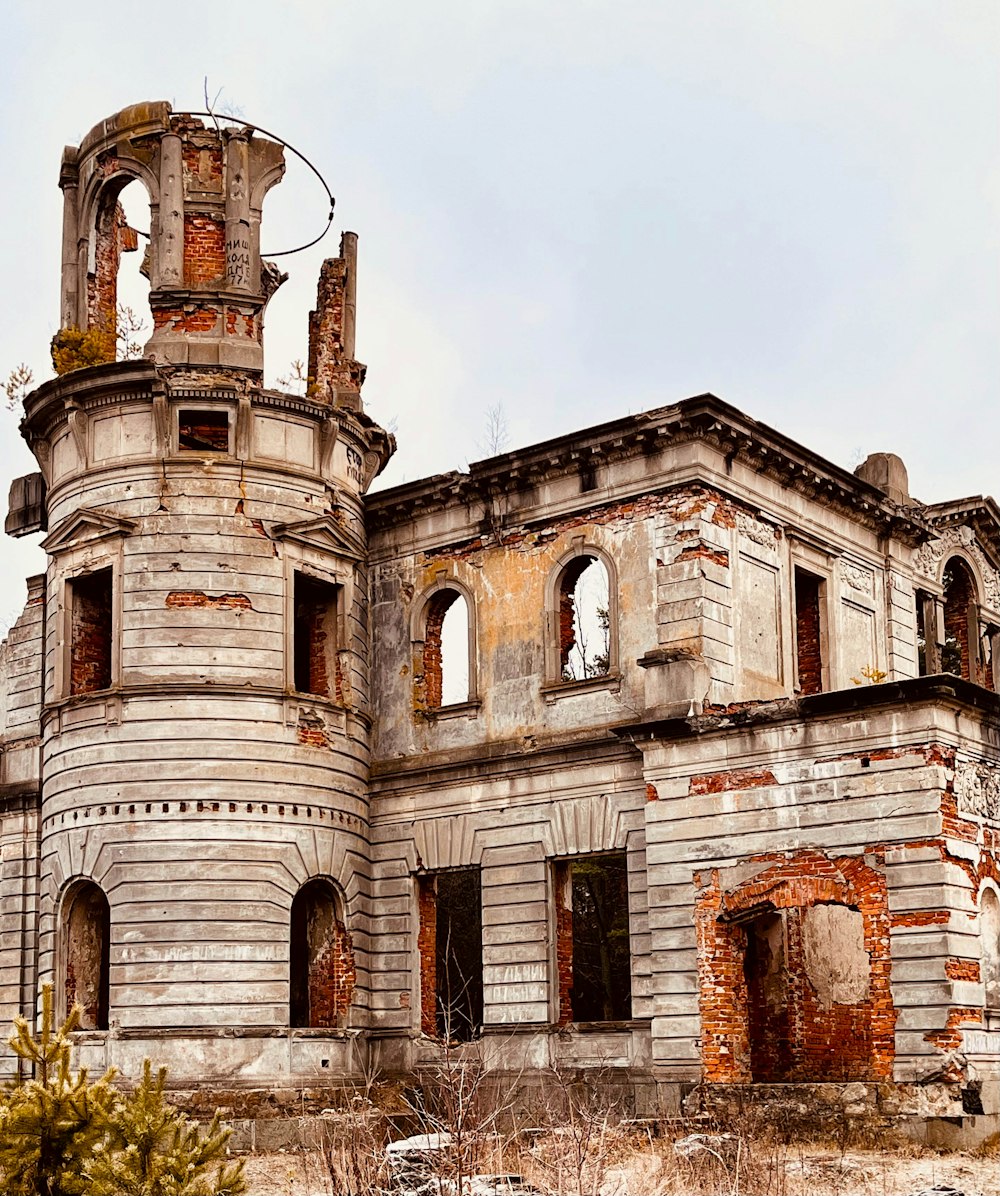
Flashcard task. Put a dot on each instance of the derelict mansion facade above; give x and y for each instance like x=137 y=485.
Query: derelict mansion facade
x=750 y=833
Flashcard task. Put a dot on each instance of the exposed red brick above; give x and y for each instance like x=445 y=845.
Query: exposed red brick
x=808 y=645
x=950 y=1038
x=841 y=1042
x=959 y=609
x=113 y=238
x=736 y=778
x=197 y=598
x=427 y=952
x=90 y=632
x=428 y=670
x=204 y=250
x=704 y=552
x=564 y=944
x=323 y=968
x=962 y=969
x=651 y=793
x=921 y=917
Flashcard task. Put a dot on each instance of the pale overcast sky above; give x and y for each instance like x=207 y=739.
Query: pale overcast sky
x=580 y=210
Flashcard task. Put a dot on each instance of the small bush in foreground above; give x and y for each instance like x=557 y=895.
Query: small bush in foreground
x=62 y=1134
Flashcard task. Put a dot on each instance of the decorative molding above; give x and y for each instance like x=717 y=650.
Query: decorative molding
x=977 y=789
x=86 y=526
x=858 y=578
x=753 y=529
x=954 y=539
x=325 y=533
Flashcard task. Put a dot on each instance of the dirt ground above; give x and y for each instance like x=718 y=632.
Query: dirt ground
x=787 y=1171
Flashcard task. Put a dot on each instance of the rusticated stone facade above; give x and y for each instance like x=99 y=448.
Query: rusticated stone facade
x=717 y=801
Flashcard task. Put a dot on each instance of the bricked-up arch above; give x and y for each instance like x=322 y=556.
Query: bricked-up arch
x=322 y=971
x=961 y=653
x=444 y=647
x=793 y=971
x=86 y=936
x=581 y=616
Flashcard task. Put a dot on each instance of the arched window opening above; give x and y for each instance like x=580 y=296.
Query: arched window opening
x=446 y=650
x=86 y=950
x=989 y=939
x=322 y=972
x=117 y=280
x=133 y=321
x=960 y=653
x=584 y=620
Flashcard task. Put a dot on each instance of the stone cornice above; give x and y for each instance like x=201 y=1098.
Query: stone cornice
x=979 y=513
x=703 y=418
x=942 y=689
x=138 y=381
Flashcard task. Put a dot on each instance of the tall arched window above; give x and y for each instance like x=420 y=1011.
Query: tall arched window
x=322 y=973
x=961 y=651
x=582 y=619
x=444 y=639
x=989 y=946
x=86 y=953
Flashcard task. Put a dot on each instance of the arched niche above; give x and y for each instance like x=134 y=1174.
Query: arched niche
x=86 y=942
x=321 y=958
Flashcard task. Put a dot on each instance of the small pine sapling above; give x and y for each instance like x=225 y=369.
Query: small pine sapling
x=153 y=1149
x=51 y=1125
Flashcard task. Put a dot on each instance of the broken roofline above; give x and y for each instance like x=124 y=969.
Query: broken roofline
x=940 y=689
x=703 y=417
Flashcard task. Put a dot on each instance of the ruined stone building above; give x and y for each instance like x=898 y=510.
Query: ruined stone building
x=666 y=746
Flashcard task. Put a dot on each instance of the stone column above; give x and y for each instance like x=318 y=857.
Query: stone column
x=167 y=266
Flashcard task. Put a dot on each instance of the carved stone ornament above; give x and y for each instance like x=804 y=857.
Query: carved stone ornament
x=929 y=555
x=753 y=529
x=862 y=580
x=977 y=789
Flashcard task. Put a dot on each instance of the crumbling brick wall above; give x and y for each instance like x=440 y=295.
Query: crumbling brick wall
x=429 y=669
x=959 y=599
x=808 y=646
x=322 y=959
x=762 y=1022
x=427 y=952
x=90 y=632
x=113 y=237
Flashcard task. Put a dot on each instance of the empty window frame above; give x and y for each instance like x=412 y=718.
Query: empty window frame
x=593 y=954
x=86 y=954
x=809 y=632
x=960 y=653
x=316 y=660
x=926 y=647
x=450 y=946
x=91 y=625
x=583 y=617
x=321 y=958
x=445 y=668
x=204 y=431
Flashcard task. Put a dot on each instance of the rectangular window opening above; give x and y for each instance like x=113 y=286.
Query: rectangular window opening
x=451 y=954
x=592 y=939
x=203 y=431
x=90 y=602
x=316 y=660
x=808 y=632
x=922 y=654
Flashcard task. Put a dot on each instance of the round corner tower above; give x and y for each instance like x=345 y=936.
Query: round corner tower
x=205 y=730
